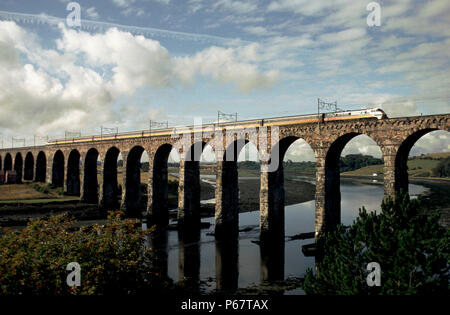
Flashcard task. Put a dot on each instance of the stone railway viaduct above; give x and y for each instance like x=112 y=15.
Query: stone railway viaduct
x=73 y=165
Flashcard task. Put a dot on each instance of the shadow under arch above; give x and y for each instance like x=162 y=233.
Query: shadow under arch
x=401 y=158
x=18 y=167
x=189 y=186
x=73 y=173
x=158 y=211
x=90 y=183
x=331 y=215
x=227 y=190
x=110 y=199
x=41 y=167
x=58 y=169
x=133 y=193
x=7 y=164
x=29 y=167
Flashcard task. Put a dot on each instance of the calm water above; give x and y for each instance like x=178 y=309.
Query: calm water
x=243 y=263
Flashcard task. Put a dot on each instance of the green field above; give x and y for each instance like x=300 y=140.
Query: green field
x=421 y=166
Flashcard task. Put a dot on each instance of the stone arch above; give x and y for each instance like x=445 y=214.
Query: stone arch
x=159 y=210
x=90 y=181
x=189 y=186
x=29 y=167
x=58 y=169
x=110 y=199
x=401 y=158
x=272 y=205
x=331 y=206
x=133 y=194
x=18 y=167
x=73 y=173
x=41 y=167
x=8 y=162
x=227 y=195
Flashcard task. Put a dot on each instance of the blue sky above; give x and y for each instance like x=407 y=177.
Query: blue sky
x=135 y=60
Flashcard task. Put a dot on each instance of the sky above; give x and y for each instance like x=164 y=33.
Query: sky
x=132 y=61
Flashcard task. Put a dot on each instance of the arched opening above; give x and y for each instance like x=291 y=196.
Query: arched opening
x=189 y=206
x=29 y=167
x=362 y=177
x=426 y=142
x=41 y=167
x=207 y=180
x=90 y=184
x=18 y=167
x=8 y=162
x=357 y=156
x=422 y=165
x=299 y=176
x=159 y=207
x=134 y=189
x=111 y=189
x=287 y=207
x=227 y=203
x=73 y=173
x=58 y=169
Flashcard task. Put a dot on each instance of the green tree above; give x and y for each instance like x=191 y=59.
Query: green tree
x=443 y=168
x=112 y=257
x=410 y=246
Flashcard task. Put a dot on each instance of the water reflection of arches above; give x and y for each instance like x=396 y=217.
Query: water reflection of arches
x=58 y=169
x=158 y=241
x=272 y=259
x=29 y=167
x=189 y=257
x=73 y=174
x=18 y=167
x=41 y=167
x=227 y=264
x=110 y=198
x=90 y=181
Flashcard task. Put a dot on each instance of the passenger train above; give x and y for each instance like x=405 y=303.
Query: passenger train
x=369 y=113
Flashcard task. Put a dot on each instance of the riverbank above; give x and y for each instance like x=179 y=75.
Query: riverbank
x=437 y=196
x=296 y=191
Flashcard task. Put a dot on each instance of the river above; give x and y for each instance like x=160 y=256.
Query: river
x=244 y=263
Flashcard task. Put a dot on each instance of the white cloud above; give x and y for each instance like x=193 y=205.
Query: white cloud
x=240 y=7
x=92 y=13
x=223 y=65
x=49 y=90
x=436 y=141
x=300 y=151
x=362 y=145
x=259 y=31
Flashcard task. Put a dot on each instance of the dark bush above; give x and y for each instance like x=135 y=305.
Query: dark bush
x=410 y=246
x=112 y=257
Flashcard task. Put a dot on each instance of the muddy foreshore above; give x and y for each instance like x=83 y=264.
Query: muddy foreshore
x=18 y=214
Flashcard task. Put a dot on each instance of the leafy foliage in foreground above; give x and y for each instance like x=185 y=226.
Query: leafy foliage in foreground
x=410 y=246
x=112 y=257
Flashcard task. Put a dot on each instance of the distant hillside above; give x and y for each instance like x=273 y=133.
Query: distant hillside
x=430 y=156
x=426 y=165
x=353 y=164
